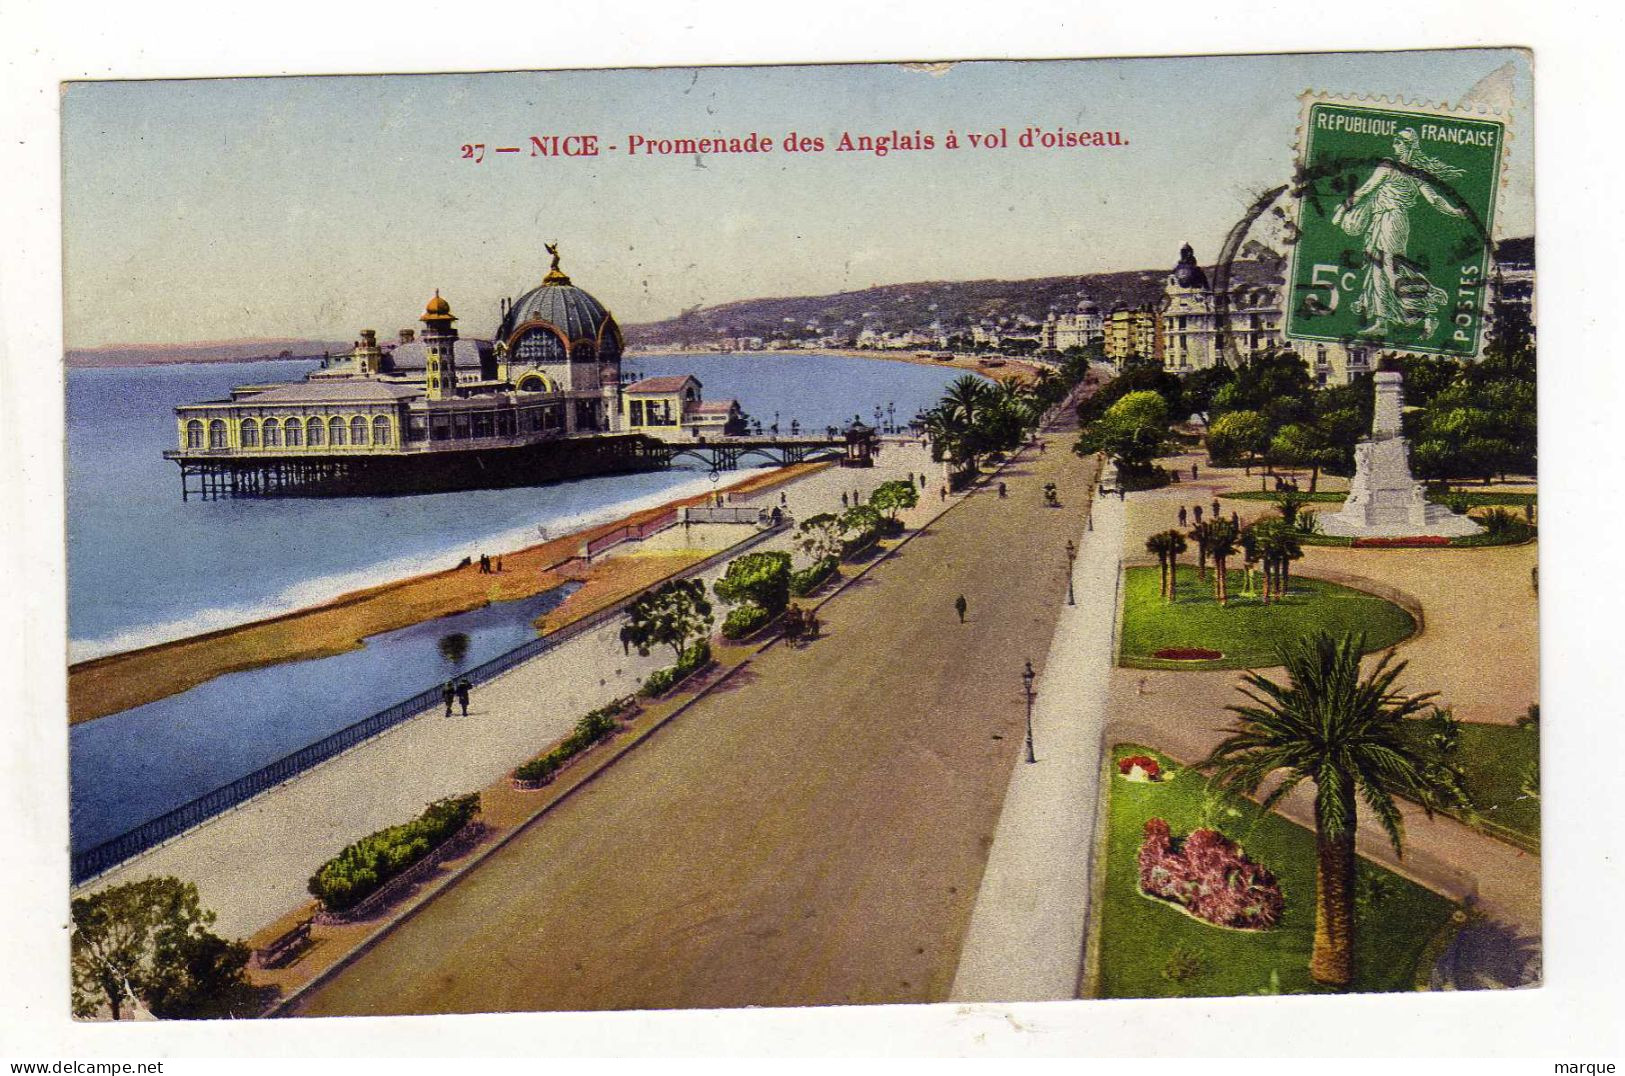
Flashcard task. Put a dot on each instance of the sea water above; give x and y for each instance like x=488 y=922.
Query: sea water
x=144 y=567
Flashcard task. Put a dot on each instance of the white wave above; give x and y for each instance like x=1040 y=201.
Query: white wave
x=325 y=588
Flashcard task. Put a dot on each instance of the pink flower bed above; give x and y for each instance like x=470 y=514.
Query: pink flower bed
x=1208 y=875
x=1420 y=541
x=1147 y=764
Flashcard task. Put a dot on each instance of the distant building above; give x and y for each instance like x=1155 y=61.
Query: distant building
x=1132 y=335
x=1200 y=328
x=1082 y=328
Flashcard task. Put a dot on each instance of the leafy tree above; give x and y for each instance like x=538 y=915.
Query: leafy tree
x=669 y=615
x=1302 y=445
x=1201 y=386
x=859 y=525
x=1238 y=436
x=819 y=537
x=759 y=579
x=148 y=943
x=1426 y=376
x=894 y=497
x=1131 y=431
x=1347 y=734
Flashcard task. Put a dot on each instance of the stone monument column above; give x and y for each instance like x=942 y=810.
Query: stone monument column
x=1384 y=499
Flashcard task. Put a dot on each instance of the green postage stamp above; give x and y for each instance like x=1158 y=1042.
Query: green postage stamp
x=1395 y=214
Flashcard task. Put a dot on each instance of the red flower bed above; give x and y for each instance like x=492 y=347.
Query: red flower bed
x=1418 y=541
x=1125 y=766
x=1187 y=653
x=1208 y=875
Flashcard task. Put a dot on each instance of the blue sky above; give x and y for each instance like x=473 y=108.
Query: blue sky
x=220 y=209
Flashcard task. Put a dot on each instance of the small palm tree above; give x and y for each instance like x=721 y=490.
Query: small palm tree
x=1221 y=546
x=1348 y=735
x=1199 y=534
x=1167 y=545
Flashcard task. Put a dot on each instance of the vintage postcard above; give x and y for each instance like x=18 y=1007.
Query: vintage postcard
x=802 y=536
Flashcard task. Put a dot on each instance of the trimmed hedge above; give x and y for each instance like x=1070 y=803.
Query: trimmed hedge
x=589 y=730
x=663 y=680
x=809 y=579
x=744 y=619
x=362 y=869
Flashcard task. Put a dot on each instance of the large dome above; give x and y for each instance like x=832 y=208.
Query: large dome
x=558 y=318
x=565 y=307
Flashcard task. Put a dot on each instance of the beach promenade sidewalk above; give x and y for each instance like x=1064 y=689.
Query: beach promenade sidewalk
x=251 y=863
x=813 y=831
x=1026 y=935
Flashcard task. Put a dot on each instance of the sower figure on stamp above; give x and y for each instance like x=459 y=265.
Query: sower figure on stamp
x=1393 y=294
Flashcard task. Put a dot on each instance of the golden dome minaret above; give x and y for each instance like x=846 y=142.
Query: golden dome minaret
x=439 y=347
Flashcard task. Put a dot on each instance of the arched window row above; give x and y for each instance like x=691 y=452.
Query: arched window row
x=294 y=432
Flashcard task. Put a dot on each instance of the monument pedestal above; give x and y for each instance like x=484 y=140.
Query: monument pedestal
x=1384 y=500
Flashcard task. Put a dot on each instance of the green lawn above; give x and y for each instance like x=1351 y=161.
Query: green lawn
x=1246 y=632
x=1493 y=759
x=1140 y=936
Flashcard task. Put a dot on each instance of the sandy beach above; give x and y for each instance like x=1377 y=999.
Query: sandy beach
x=108 y=685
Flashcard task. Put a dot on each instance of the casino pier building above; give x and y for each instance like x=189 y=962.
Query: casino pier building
x=430 y=411
x=433 y=410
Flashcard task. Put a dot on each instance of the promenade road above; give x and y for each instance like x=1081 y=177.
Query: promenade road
x=251 y=864
x=814 y=832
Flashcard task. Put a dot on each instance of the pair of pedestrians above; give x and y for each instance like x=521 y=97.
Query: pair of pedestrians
x=456 y=691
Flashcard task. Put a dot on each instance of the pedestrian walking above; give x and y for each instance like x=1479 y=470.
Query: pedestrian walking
x=1182 y=516
x=1198 y=515
x=1043 y=447
x=843 y=500
x=1193 y=472
x=1216 y=512
x=499 y=564
x=448 y=694
x=942 y=493
x=960 y=605
x=1002 y=490
x=463 y=687
x=784 y=499
x=1235 y=520
x=922 y=479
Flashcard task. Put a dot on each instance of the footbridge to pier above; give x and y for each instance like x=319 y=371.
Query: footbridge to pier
x=727 y=454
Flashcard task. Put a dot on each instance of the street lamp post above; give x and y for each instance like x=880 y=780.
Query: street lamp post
x=1071 y=557
x=1027 y=687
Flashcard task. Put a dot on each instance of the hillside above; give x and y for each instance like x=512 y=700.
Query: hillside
x=208 y=351
x=900 y=307
x=955 y=305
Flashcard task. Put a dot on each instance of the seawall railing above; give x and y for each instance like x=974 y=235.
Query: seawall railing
x=105 y=856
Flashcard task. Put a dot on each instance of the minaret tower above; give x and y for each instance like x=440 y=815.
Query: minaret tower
x=439 y=341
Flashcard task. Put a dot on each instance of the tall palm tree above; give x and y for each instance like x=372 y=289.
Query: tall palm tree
x=968 y=397
x=1221 y=546
x=1348 y=736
